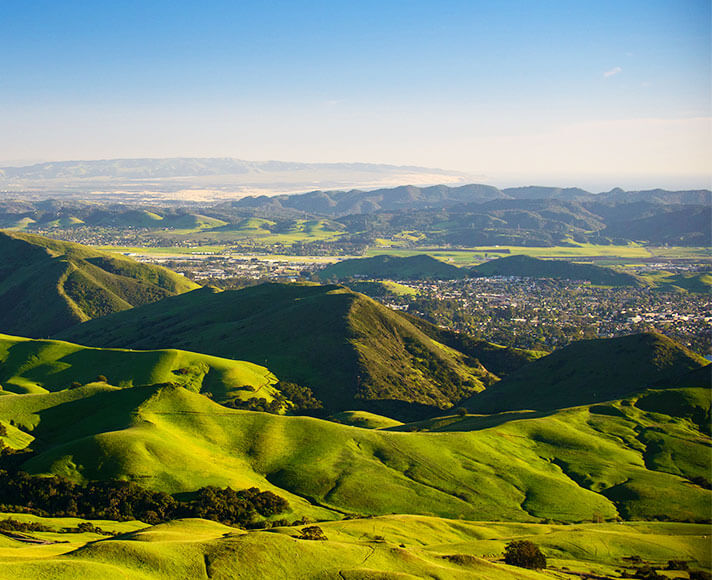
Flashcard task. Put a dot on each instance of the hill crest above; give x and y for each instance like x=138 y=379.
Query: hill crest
x=418 y=267
x=590 y=371
x=48 y=285
x=350 y=350
x=529 y=267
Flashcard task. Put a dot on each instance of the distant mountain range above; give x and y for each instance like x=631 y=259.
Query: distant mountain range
x=210 y=178
x=341 y=203
x=438 y=216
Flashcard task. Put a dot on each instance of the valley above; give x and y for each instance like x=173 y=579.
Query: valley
x=196 y=399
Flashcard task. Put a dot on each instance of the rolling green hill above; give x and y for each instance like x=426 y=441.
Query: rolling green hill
x=526 y=266
x=41 y=366
x=419 y=267
x=351 y=351
x=385 y=548
x=47 y=285
x=588 y=371
x=698 y=282
x=635 y=458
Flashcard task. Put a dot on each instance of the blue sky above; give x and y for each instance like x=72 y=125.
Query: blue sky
x=555 y=91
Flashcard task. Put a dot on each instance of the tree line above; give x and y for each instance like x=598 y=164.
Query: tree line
x=125 y=500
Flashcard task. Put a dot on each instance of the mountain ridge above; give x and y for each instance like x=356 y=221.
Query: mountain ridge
x=353 y=352
x=48 y=285
x=590 y=371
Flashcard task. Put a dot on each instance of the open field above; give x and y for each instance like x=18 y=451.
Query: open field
x=472 y=256
x=628 y=459
x=388 y=547
x=618 y=255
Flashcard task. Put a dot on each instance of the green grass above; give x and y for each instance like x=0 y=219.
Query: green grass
x=699 y=282
x=417 y=267
x=261 y=231
x=612 y=460
x=473 y=256
x=380 y=288
x=351 y=351
x=47 y=285
x=389 y=547
x=365 y=420
x=39 y=366
x=588 y=371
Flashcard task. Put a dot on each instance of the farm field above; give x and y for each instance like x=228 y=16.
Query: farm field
x=611 y=254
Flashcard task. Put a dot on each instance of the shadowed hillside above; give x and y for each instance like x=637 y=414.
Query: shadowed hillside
x=526 y=266
x=587 y=371
x=351 y=351
x=628 y=458
x=420 y=267
x=47 y=285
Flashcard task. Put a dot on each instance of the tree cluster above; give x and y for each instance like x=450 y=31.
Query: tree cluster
x=524 y=554
x=293 y=398
x=123 y=500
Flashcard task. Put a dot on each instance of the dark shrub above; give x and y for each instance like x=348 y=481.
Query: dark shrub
x=461 y=559
x=524 y=554
x=312 y=533
x=677 y=565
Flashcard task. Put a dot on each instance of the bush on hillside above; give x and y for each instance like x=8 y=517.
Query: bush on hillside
x=677 y=565
x=302 y=397
x=462 y=559
x=524 y=554
x=257 y=404
x=312 y=533
x=302 y=401
x=648 y=573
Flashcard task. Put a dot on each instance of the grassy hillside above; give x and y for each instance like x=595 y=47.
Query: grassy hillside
x=630 y=459
x=47 y=285
x=588 y=371
x=41 y=366
x=698 y=282
x=498 y=359
x=420 y=267
x=382 y=288
x=387 y=548
x=351 y=351
x=526 y=266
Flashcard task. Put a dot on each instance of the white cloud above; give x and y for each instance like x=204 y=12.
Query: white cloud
x=614 y=71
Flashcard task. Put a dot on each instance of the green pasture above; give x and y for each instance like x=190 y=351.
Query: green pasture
x=472 y=256
x=569 y=466
x=41 y=366
x=392 y=547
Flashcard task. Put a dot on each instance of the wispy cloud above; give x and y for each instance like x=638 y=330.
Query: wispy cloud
x=614 y=71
